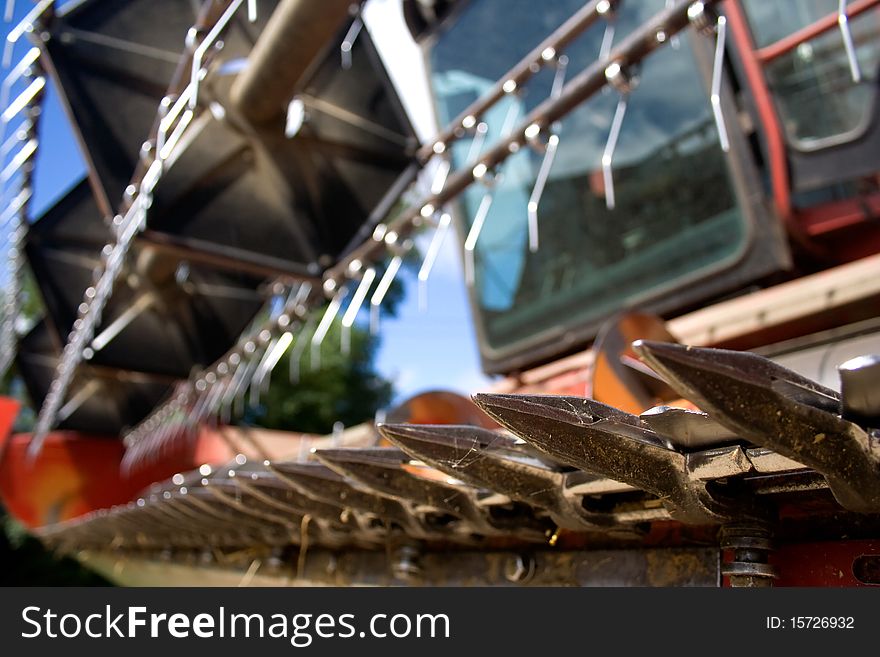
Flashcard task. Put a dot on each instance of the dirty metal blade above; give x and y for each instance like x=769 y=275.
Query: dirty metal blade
x=598 y=438
x=487 y=459
x=774 y=407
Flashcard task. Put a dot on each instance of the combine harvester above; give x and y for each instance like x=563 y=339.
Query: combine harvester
x=625 y=178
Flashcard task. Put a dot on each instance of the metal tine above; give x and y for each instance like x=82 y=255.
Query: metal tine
x=380 y=469
x=299 y=348
x=281 y=346
x=486 y=459
x=349 y=40
x=846 y=35
x=252 y=11
x=675 y=42
x=190 y=423
x=774 y=407
x=21 y=157
x=170 y=112
x=9 y=12
x=607 y=35
x=357 y=301
x=441 y=175
x=717 y=76
x=78 y=399
x=431 y=257
x=509 y=119
x=538 y=190
x=384 y=285
x=202 y=49
x=547 y=161
x=705 y=20
x=215 y=398
x=256 y=382
x=19 y=135
x=216 y=385
x=237 y=369
x=253 y=356
x=324 y=326
x=611 y=146
x=25 y=25
x=320 y=482
x=168 y=148
x=688 y=429
x=30 y=58
x=24 y=99
x=167 y=430
x=224 y=380
x=470 y=243
x=279 y=319
x=481 y=129
x=597 y=438
x=15 y=206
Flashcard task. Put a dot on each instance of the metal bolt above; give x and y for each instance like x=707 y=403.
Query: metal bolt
x=406 y=565
x=519 y=568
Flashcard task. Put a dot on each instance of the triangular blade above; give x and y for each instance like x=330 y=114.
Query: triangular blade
x=774 y=407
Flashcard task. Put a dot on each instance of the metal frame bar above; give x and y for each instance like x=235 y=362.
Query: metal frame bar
x=826 y=24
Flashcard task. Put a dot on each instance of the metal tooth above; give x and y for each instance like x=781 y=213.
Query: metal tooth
x=487 y=459
x=774 y=407
x=275 y=493
x=598 y=438
x=380 y=469
x=683 y=427
x=320 y=482
x=238 y=498
x=254 y=530
x=182 y=519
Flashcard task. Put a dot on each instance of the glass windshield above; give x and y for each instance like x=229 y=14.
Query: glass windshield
x=675 y=211
x=813 y=84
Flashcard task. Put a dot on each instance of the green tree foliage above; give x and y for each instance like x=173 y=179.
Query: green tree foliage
x=312 y=397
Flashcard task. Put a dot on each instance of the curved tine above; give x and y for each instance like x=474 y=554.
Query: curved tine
x=773 y=407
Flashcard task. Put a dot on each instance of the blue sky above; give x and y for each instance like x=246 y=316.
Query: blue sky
x=421 y=349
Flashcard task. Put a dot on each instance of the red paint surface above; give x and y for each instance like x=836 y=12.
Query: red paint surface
x=77 y=473
x=9 y=409
x=827 y=563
